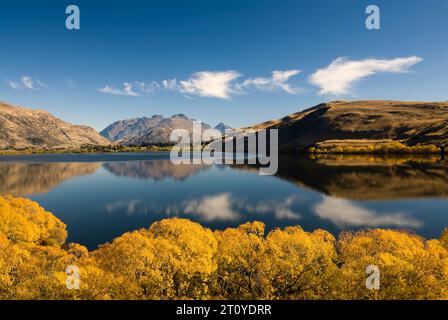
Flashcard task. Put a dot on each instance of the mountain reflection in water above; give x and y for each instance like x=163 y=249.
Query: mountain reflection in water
x=101 y=200
x=362 y=177
x=155 y=169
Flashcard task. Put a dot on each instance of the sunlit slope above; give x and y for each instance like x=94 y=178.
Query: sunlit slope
x=345 y=122
x=28 y=128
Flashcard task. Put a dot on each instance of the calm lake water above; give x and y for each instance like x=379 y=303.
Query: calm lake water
x=102 y=196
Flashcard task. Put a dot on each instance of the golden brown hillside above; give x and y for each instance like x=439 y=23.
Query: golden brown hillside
x=344 y=122
x=27 y=128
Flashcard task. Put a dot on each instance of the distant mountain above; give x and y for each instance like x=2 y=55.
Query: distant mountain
x=358 y=122
x=148 y=131
x=131 y=128
x=223 y=128
x=27 y=128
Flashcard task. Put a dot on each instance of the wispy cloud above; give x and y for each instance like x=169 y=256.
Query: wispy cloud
x=27 y=82
x=212 y=84
x=339 y=77
x=127 y=90
x=41 y=84
x=132 y=89
x=202 y=84
x=110 y=90
x=14 y=85
x=147 y=88
x=171 y=84
x=277 y=82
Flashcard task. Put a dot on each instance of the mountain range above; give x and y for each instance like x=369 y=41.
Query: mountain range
x=152 y=131
x=26 y=128
x=345 y=123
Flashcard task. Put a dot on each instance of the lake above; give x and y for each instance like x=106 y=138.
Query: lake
x=101 y=196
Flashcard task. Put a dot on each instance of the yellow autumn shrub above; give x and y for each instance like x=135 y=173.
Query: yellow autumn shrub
x=172 y=259
x=23 y=220
x=239 y=258
x=180 y=259
x=410 y=267
x=299 y=264
x=394 y=147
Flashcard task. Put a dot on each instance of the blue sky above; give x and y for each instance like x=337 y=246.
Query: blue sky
x=123 y=61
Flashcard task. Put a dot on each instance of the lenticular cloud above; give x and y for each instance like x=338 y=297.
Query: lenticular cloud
x=342 y=73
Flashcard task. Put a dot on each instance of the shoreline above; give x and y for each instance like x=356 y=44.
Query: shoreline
x=320 y=153
x=96 y=150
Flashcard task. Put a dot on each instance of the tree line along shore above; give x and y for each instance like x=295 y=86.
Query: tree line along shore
x=340 y=147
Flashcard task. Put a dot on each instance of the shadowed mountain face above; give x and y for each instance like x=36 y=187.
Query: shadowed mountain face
x=20 y=179
x=409 y=122
x=27 y=128
x=155 y=170
x=148 y=131
x=366 y=177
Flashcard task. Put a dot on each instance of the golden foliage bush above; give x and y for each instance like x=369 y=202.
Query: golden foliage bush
x=180 y=259
x=239 y=259
x=299 y=264
x=23 y=220
x=411 y=268
x=173 y=259
x=394 y=147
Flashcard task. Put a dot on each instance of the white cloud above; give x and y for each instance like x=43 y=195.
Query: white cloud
x=42 y=84
x=215 y=84
x=132 y=89
x=210 y=84
x=126 y=91
x=278 y=81
x=28 y=82
x=147 y=88
x=171 y=85
x=13 y=84
x=339 y=77
x=110 y=90
x=345 y=213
